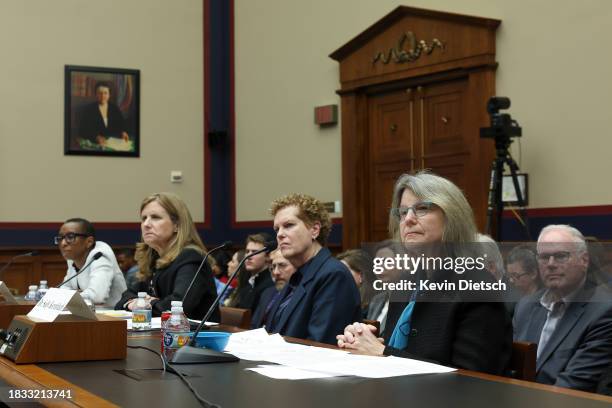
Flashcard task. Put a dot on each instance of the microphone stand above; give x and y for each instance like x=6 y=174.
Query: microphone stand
x=189 y=353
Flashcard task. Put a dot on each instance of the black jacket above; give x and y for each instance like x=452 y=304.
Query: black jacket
x=249 y=296
x=452 y=328
x=171 y=283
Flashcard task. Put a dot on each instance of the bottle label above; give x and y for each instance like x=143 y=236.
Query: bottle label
x=176 y=339
x=141 y=316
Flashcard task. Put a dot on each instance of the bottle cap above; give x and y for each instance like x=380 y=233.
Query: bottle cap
x=177 y=309
x=176 y=303
x=43 y=282
x=142 y=294
x=32 y=287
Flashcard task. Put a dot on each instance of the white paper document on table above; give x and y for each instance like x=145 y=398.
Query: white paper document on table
x=257 y=345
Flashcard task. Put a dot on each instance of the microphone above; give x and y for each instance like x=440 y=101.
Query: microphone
x=96 y=256
x=268 y=247
x=226 y=244
x=31 y=253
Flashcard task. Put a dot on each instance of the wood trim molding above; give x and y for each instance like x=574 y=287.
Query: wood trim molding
x=30 y=376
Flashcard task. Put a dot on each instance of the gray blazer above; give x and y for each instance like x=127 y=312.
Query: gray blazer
x=580 y=348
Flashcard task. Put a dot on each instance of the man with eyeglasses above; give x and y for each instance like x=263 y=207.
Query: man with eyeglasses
x=570 y=318
x=102 y=282
x=281 y=270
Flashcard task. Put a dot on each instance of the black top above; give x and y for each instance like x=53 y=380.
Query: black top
x=249 y=296
x=453 y=328
x=171 y=283
x=91 y=123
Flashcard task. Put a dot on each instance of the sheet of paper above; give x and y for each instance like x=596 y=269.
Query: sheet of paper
x=257 y=345
x=119 y=145
x=287 y=373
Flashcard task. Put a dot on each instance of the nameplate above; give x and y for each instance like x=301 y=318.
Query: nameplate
x=6 y=293
x=56 y=301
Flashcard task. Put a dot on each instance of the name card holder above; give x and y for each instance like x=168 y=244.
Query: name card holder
x=11 y=307
x=48 y=335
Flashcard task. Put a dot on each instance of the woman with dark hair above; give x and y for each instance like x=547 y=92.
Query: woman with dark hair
x=169 y=256
x=359 y=263
x=522 y=270
x=430 y=214
x=240 y=281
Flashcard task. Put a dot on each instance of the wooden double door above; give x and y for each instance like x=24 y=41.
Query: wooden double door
x=413 y=128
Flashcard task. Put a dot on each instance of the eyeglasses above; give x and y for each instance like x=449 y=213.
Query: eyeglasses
x=515 y=277
x=559 y=257
x=419 y=209
x=69 y=237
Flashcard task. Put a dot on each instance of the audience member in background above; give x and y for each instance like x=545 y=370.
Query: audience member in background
x=241 y=279
x=281 y=270
x=494 y=262
x=102 y=282
x=450 y=327
x=599 y=269
x=570 y=318
x=169 y=257
x=522 y=270
x=129 y=267
x=221 y=259
x=321 y=296
x=359 y=263
x=257 y=266
x=379 y=305
x=219 y=262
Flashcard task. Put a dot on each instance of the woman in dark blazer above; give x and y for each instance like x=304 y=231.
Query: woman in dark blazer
x=102 y=119
x=448 y=326
x=321 y=296
x=169 y=257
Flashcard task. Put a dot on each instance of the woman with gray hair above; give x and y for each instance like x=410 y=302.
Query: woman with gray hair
x=448 y=326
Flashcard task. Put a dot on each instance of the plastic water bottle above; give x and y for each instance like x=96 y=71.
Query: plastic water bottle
x=141 y=315
x=31 y=295
x=42 y=290
x=164 y=318
x=176 y=332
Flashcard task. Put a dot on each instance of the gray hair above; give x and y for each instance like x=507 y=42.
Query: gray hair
x=459 y=227
x=489 y=247
x=576 y=235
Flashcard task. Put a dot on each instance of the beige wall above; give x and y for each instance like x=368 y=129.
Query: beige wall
x=37 y=38
x=553 y=65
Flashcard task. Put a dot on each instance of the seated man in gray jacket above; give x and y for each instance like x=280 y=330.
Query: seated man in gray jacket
x=102 y=282
x=570 y=318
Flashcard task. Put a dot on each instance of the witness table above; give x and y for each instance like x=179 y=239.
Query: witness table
x=138 y=381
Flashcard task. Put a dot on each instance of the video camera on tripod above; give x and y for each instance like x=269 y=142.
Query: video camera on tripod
x=503 y=127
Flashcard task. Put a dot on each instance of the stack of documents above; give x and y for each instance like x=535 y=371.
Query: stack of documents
x=300 y=362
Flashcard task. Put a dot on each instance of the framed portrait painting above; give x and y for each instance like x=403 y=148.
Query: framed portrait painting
x=101 y=111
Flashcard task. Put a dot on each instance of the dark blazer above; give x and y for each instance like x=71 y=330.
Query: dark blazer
x=91 y=123
x=171 y=283
x=580 y=348
x=258 y=316
x=325 y=300
x=249 y=295
x=453 y=328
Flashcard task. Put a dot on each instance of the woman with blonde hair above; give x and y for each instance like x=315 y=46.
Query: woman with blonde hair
x=169 y=256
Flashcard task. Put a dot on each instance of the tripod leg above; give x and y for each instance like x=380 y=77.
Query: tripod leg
x=519 y=194
x=495 y=205
x=499 y=203
x=490 y=198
